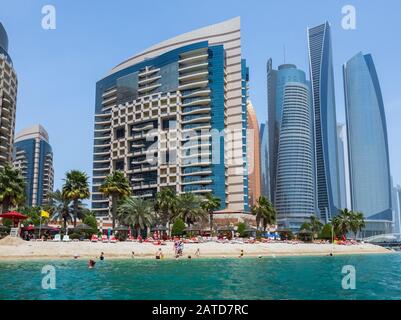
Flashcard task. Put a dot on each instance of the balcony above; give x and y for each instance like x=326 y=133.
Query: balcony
x=194 y=59
x=191 y=85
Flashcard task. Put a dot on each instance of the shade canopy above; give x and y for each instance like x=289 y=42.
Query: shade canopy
x=122 y=228
x=83 y=227
x=43 y=227
x=158 y=228
x=13 y=215
x=225 y=229
x=188 y=229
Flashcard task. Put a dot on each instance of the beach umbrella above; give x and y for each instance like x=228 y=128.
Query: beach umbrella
x=83 y=227
x=15 y=216
x=190 y=229
x=225 y=229
x=44 y=227
x=122 y=228
x=158 y=228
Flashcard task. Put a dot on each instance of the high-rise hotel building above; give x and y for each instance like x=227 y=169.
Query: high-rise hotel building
x=175 y=116
x=8 y=97
x=291 y=147
x=325 y=126
x=34 y=157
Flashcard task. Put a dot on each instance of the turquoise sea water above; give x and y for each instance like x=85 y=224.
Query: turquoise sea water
x=377 y=277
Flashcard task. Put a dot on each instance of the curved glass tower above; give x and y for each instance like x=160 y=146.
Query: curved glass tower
x=290 y=113
x=326 y=153
x=370 y=181
x=33 y=155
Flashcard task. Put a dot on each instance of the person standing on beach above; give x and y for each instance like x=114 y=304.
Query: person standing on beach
x=241 y=254
x=197 y=253
x=101 y=256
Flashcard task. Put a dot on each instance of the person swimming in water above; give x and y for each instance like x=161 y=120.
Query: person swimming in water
x=159 y=254
x=91 y=264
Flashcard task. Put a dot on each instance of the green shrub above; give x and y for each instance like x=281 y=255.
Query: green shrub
x=91 y=221
x=326 y=232
x=74 y=236
x=241 y=229
x=178 y=227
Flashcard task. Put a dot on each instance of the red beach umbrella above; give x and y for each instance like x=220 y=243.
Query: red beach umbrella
x=14 y=216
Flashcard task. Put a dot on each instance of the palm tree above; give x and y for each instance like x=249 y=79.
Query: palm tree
x=264 y=212
x=210 y=204
x=189 y=207
x=117 y=186
x=59 y=205
x=12 y=188
x=342 y=222
x=136 y=212
x=76 y=188
x=315 y=225
x=165 y=205
x=357 y=222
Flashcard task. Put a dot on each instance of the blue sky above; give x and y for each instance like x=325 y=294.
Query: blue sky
x=58 y=69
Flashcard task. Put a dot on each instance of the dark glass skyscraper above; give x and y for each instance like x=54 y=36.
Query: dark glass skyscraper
x=326 y=151
x=370 y=181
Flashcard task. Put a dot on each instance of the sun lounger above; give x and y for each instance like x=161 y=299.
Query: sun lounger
x=66 y=238
x=113 y=239
x=105 y=239
x=57 y=238
x=94 y=238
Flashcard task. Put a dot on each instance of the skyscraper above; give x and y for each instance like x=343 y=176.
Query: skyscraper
x=341 y=164
x=34 y=157
x=395 y=201
x=253 y=149
x=291 y=145
x=326 y=150
x=368 y=154
x=264 y=161
x=8 y=100
x=175 y=116
x=397 y=207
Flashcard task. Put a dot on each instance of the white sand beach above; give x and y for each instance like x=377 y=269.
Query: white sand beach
x=121 y=250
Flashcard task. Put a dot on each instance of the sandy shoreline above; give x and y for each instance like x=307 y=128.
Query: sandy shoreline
x=122 y=250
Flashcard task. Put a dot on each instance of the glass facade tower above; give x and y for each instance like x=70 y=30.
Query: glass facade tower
x=370 y=181
x=326 y=150
x=34 y=157
x=175 y=116
x=291 y=147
